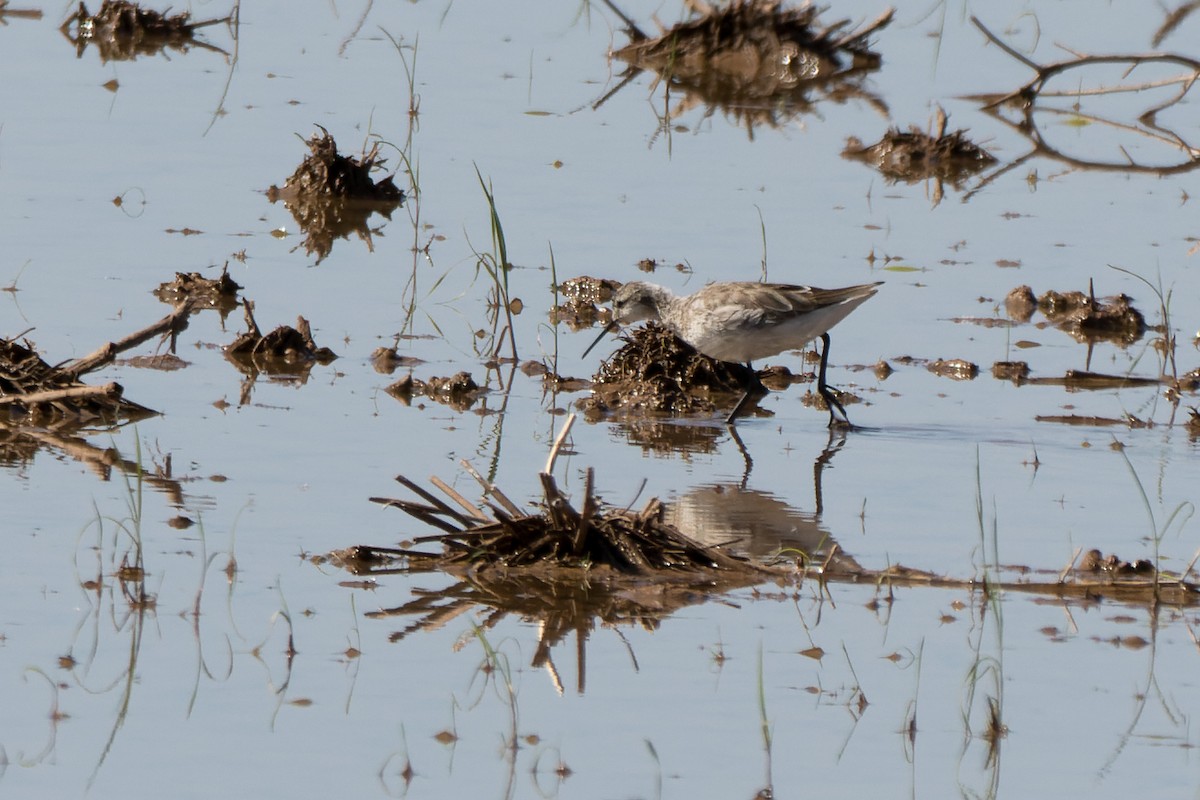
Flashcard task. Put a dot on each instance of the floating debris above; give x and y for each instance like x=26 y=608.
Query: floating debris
x=1080 y=314
x=1015 y=371
x=586 y=302
x=1193 y=422
x=914 y=156
x=285 y=350
x=1020 y=304
x=955 y=368
x=459 y=391
x=572 y=570
x=327 y=173
x=332 y=196
x=1078 y=379
x=217 y=293
x=387 y=360
x=17 y=13
x=1095 y=561
x=757 y=61
x=164 y=362
x=34 y=393
x=558 y=536
x=1129 y=421
x=122 y=31
x=657 y=372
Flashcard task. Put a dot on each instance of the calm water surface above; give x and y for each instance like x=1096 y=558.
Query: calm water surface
x=197 y=695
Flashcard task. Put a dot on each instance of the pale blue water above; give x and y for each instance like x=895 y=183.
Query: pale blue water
x=508 y=89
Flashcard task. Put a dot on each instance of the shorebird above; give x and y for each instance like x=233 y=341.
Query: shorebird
x=745 y=321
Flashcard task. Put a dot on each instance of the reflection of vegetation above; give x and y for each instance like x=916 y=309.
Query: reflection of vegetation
x=1032 y=106
x=134 y=601
x=759 y=63
x=987 y=668
x=122 y=31
x=55 y=715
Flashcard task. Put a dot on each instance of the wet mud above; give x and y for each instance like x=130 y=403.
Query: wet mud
x=285 y=352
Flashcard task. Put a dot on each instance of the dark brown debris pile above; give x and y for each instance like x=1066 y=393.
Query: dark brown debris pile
x=327 y=173
x=1095 y=561
x=1080 y=314
x=332 y=196
x=656 y=371
x=285 y=350
x=584 y=302
x=559 y=536
x=122 y=31
x=459 y=391
x=915 y=155
x=192 y=287
x=756 y=59
x=1113 y=577
x=34 y=393
x=564 y=609
x=572 y=570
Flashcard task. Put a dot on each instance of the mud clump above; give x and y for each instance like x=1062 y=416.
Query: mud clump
x=958 y=369
x=387 y=360
x=915 y=155
x=192 y=287
x=1020 y=304
x=1080 y=314
x=1097 y=562
x=122 y=31
x=331 y=196
x=657 y=372
x=585 y=302
x=325 y=172
x=1015 y=371
x=459 y=391
x=282 y=351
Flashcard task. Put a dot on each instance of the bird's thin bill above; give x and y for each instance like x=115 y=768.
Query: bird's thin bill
x=609 y=328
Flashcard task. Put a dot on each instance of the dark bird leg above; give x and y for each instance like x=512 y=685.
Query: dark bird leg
x=823 y=388
x=747 y=397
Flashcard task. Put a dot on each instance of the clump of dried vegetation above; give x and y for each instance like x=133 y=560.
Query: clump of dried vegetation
x=331 y=195
x=593 y=537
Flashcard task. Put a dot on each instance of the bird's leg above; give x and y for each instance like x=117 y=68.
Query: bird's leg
x=746 y=397
x=823 y=388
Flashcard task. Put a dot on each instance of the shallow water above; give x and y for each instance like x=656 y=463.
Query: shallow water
x=198 y=692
